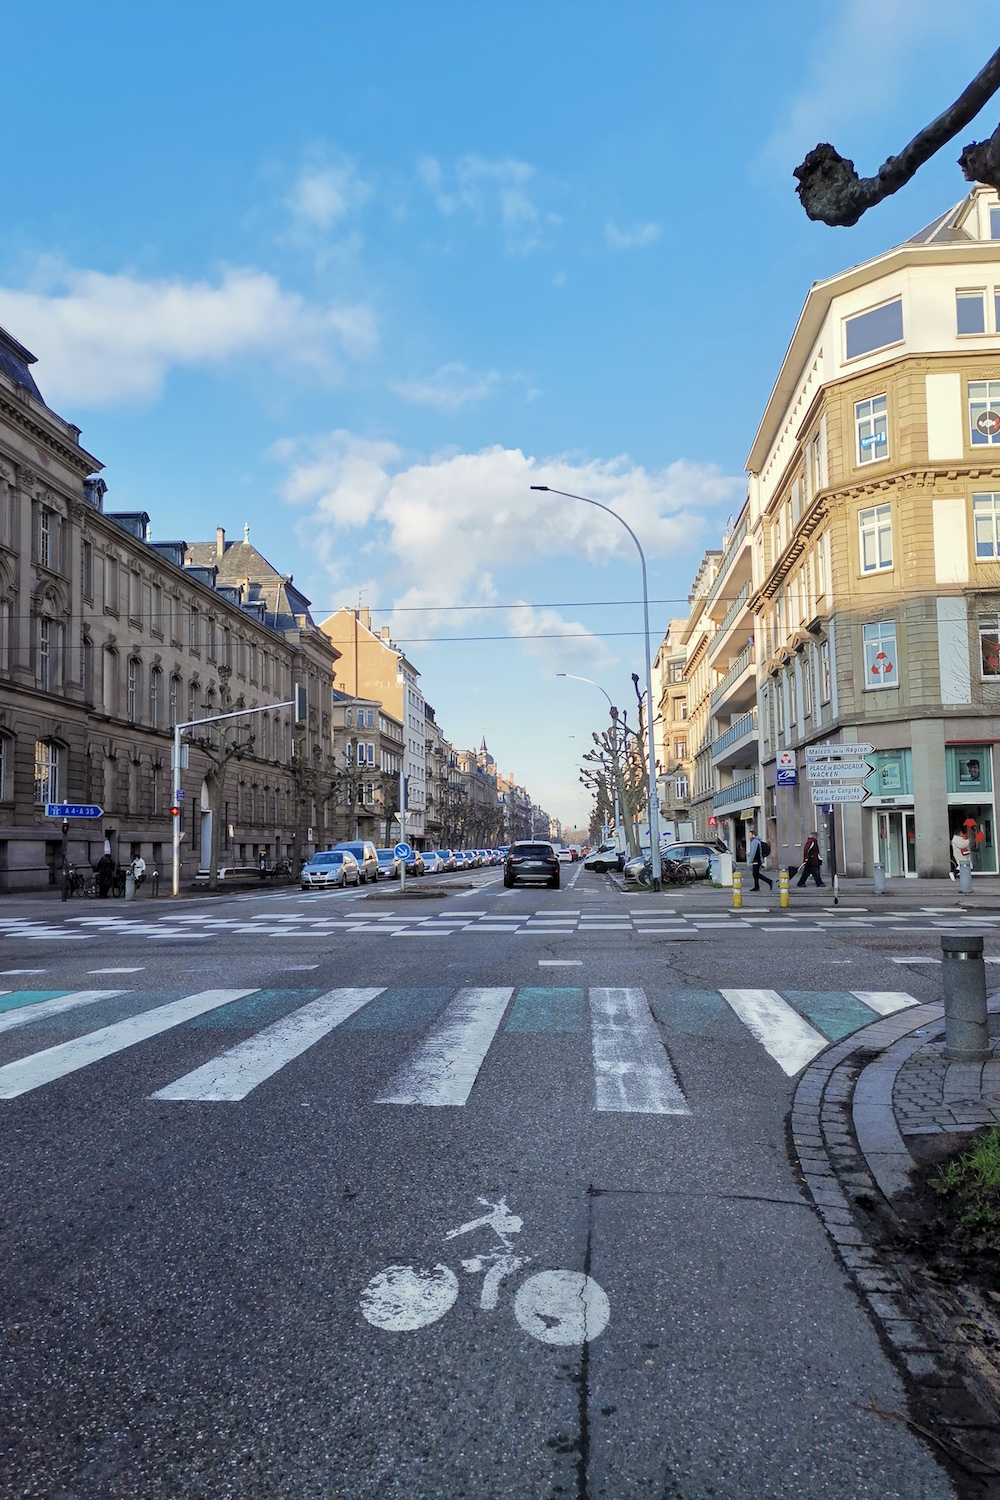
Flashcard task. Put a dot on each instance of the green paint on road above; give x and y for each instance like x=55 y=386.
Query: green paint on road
x=548 y=1010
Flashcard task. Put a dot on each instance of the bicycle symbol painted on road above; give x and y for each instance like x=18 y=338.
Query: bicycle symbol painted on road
x=555 y=1307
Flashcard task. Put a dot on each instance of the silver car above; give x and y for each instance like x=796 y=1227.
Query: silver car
x=336 y=867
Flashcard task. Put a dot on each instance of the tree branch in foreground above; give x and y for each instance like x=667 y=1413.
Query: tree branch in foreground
x=831 y=190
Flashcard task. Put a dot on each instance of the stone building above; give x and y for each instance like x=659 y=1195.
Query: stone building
x=672 y=734
x=368 y=754
x=106 y=639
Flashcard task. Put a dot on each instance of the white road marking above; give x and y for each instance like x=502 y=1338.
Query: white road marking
x=56 y=1062
x=233 y=1074
x=138 y=969
x=781 y=1031
x=560 y=963
x=403 y=1298
x=562 y=1307
x=632 y=1070
x=10 y=1019
x=446 y=1064
x=885 y=1002
x=919 y=960
x=6 y=972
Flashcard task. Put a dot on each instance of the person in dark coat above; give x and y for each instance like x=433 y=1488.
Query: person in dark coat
x=811 y=861
x=105 y=875
x=756 y=856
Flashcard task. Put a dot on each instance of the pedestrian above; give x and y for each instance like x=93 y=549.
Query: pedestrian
x=959 y=848
x=757 y=854
x=812 y=861
x=105 y=873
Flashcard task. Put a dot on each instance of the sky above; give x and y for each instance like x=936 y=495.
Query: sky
x=358 y=276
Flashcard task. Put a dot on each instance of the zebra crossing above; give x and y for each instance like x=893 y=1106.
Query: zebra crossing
x=632 y=1067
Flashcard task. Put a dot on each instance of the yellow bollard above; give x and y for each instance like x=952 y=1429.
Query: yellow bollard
x=783 y=887
x=737 y=888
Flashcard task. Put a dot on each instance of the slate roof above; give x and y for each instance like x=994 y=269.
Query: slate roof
x=14 y=362
x=241 y=565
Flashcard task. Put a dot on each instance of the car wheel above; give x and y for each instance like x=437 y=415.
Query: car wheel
x=508 y=882
x=554 y=883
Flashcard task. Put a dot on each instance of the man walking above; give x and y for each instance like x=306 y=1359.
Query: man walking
x=811 y=861
x=756 y=854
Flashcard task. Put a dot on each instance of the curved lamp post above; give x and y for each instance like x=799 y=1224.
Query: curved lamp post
x=654 y=808
x=614 y=723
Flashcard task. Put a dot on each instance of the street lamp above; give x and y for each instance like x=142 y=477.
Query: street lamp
x=654 y=810
x=614 y=725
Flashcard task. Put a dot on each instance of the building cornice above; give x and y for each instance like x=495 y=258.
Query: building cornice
x=20 y=415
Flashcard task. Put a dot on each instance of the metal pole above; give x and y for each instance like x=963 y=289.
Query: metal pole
x=654 y=810
x=175 y=889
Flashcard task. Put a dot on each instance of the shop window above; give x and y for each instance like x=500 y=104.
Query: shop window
x=881 y=656
x=893 y=774
x=989 y=646
x=969 y=769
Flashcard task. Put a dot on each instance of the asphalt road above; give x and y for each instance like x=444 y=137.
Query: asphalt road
x=213 y=1292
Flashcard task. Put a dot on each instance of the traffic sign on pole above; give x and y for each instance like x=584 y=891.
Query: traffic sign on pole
x=827 y=792
x=73 y=810
x=833 y=752
x=839 y=770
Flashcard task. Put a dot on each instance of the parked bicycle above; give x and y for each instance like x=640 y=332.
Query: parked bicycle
x=555 y=1307
x=282 y=870
x=74 y=883
x=672 y=872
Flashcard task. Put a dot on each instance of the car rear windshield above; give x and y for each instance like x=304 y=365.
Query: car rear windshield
x=533 y=851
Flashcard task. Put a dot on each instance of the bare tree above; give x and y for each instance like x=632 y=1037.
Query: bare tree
x=221 y=743
x=831 y=190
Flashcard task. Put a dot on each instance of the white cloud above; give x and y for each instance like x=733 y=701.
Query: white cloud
x=104 y=339
x=858 y=67
x=635 y=237
x=455 y=519
x=450 y=387
x=478 y=185
x=325 y=193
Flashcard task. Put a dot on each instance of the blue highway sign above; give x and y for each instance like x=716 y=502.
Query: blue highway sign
x=73 y=810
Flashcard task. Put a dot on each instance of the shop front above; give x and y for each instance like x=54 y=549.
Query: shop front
x=971 y=810
x=891 y=813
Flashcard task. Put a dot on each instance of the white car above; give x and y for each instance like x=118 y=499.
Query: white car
x=565 y=857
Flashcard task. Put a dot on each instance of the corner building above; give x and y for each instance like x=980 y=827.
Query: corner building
x=874 y=513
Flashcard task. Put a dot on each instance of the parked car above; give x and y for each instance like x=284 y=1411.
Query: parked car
x=415 y=863
x=604 y=858
x=366 y=854
x=531 y=861
x=698 y=856
x=565 y=856
x=446 y=857
x=388 y=864
x=331 y=867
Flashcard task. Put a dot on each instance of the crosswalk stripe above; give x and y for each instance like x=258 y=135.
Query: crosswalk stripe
x=632 y=1070
x=233 y=1074
x=791 y=1041
x=445 y=1066
x=38 y=1068
x=886 y=1002
x=55 y=1007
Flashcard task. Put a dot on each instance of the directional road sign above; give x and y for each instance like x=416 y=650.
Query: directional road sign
x=402 y=851
x=833 y=752
x=832 y=792
x=73 y=810
x=839 y=770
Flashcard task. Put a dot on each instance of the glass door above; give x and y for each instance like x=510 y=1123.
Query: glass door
x=910 y=842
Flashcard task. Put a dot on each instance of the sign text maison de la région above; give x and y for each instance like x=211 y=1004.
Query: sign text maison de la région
x=837 y=773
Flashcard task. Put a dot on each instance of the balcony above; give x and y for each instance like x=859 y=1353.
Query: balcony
x=729 y=620
x=740 y=794
x=737 y=686
x=732 y=746
x=736 y=541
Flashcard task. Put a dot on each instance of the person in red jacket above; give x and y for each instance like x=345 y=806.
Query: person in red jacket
x=811 y=861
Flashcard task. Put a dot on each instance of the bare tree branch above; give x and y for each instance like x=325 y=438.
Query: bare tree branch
x=831 y=190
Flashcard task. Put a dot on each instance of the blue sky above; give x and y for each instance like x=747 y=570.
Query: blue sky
x=359 y=275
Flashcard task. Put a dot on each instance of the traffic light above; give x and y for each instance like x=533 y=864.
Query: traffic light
x=65 y=827
x=175 y=811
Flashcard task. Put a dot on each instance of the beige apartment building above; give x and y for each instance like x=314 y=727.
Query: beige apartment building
x=368 y=755
x=874 y=526
x=671 y=735
x=696 y=638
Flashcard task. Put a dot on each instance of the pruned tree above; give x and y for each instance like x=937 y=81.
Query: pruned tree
x=832 y=192
x=220 y=744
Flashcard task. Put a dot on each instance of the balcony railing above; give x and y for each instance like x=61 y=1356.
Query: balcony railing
x=738 y=731
x=733 y=611
x=739 y=666
x=740 y=791
x=736 y=541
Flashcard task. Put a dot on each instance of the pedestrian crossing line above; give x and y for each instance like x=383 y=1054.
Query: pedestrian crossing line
x=633 y=1073
x=781 y=1031
x=39 y=1068
x=885 y=1002
x=233 y=1074
x=39 y=1010
x=445 y=1066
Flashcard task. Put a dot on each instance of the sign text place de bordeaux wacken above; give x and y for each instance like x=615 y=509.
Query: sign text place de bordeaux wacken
x=837 y=773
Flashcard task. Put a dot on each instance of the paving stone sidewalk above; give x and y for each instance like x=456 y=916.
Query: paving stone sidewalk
x=931 y=1095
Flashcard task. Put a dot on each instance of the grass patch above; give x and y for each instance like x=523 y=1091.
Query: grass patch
x=970 y=1183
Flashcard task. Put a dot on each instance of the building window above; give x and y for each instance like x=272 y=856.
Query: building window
x=195 y=630
x=156 y=617
x=45 y=657
x=881 y=657
x=984 y=412
x=175 y=700
x=779 y=707
x=970 y=312
x=87 y=570
x=133 y=690
x=986 y=522
x=989 y=645
x=193 y=701
x=155 y=678
x=680 y=749
x=370 y=718
x=871 y=429
x=210 y=649
x=371 y=752
x=45 y=537
x=46 y=772
x=349 y=718
x=681 y=788
x=3 y=767
x=824 y=672
x=875 y=329
x=87 y=668
x=793 y=703
x=111 y=584
x=807 y=688
x=875 y=526
x=156 y=790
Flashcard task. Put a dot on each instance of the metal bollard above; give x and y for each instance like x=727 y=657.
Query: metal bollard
x=879 y=880
x=155 y=881
x=782 y=887
x=965 y=876
x=737 y=888
x=963 y=976
x=130 y=887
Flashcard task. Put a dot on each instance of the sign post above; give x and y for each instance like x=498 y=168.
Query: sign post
x=837 y=775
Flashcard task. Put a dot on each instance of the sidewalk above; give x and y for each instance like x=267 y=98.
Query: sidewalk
x=853 y=892
x=870 y=1117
